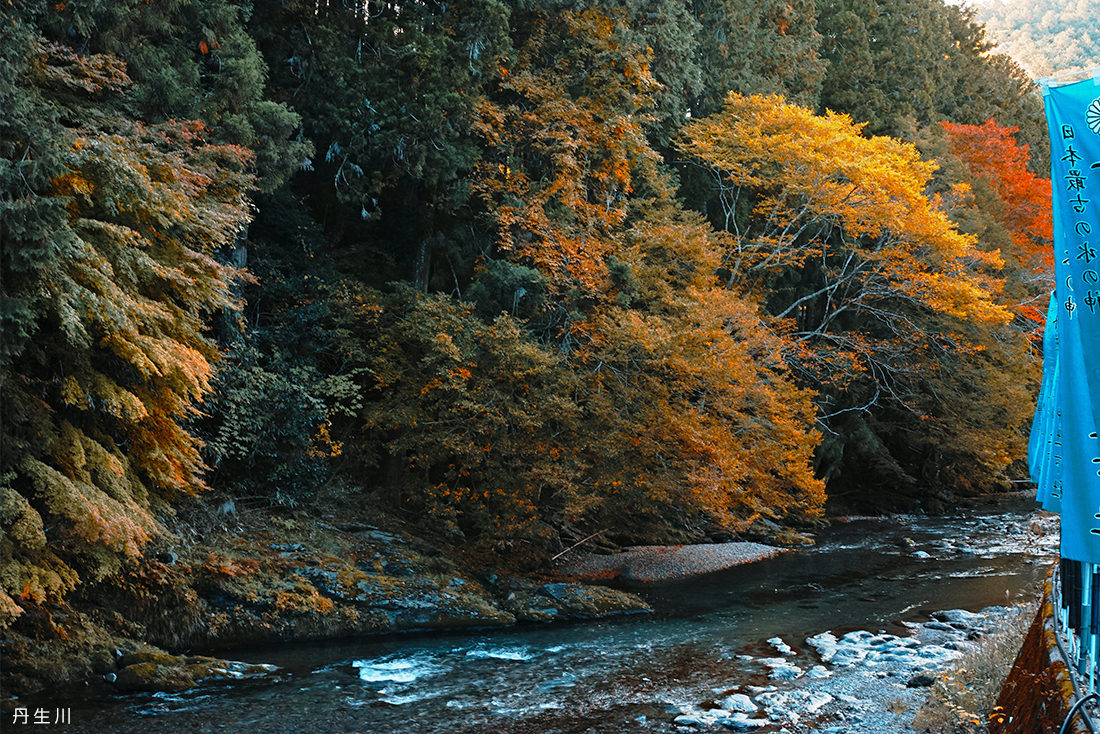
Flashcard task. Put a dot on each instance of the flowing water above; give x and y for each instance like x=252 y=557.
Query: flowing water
x=706 y=635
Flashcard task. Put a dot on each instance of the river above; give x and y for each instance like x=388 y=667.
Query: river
x=707 y=635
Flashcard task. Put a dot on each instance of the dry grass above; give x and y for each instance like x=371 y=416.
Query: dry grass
x=962 y=700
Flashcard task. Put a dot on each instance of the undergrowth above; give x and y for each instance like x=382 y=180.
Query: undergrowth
x=963 y=699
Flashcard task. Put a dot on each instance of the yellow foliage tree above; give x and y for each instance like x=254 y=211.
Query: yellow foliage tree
x=816 y=189
x=893 y=313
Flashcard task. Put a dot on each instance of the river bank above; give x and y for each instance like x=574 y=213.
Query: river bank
x=707 y=639
x=236 y=579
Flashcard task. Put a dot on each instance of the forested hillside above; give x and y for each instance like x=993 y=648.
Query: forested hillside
x=514 y=271
x=1046 y=37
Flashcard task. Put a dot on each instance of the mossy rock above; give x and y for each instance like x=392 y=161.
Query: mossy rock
x=593 y=601
x=154 y=677
x=149 y=656
x=155 y=671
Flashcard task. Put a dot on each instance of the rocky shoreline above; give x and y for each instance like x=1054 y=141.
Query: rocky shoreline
x=862 y=682
x=317 y=580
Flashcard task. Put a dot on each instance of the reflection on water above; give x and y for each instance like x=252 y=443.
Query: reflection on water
x=707 y=634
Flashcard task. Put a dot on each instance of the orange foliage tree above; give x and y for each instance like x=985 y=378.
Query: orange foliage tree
x=991 y=153
x=686 y=408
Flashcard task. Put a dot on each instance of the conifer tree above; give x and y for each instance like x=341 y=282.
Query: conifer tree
x=758 y=47
x=892 y=61
x=110 y=226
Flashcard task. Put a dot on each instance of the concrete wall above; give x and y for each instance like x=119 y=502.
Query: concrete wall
x=1038 y=692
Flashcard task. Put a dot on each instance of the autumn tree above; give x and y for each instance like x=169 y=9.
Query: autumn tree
x=880 y=292
x=468 y=424
x=110 y=228
x=686 y=408
x=1021 y=205
x=690 y=407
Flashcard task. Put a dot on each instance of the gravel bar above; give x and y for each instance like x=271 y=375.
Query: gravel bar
x=663 y=562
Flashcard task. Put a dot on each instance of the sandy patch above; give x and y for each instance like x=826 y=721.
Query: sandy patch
x=663 y=562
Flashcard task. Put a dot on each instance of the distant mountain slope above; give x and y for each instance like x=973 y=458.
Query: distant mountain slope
x=1045 y=36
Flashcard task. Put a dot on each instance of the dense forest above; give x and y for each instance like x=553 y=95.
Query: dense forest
x=1045 y=37
x=513 y=270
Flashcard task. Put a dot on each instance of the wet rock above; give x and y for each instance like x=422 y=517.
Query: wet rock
x=780 y=646
x=959 y=618
x=781 y=669
x=533 y=602
x=742 y=722
x=712 y=718
x=693 y=720
x=794 y=703
x=152 y=677
x=920 y=681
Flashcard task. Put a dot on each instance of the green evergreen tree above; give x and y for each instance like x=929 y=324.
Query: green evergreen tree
x=758 y=47
x=894 y=62
x=191 y=60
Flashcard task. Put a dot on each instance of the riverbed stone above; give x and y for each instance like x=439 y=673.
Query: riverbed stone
x=920 y=681
x=781 y=669
x=742 y=722
x=695 y=720
x=739 y=702
x=781 y=646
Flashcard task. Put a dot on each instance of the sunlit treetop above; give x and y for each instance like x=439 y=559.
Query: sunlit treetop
x=810 y=177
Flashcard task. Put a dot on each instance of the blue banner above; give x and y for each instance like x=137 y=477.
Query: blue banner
x=1073 y=471
x=1044 y=449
